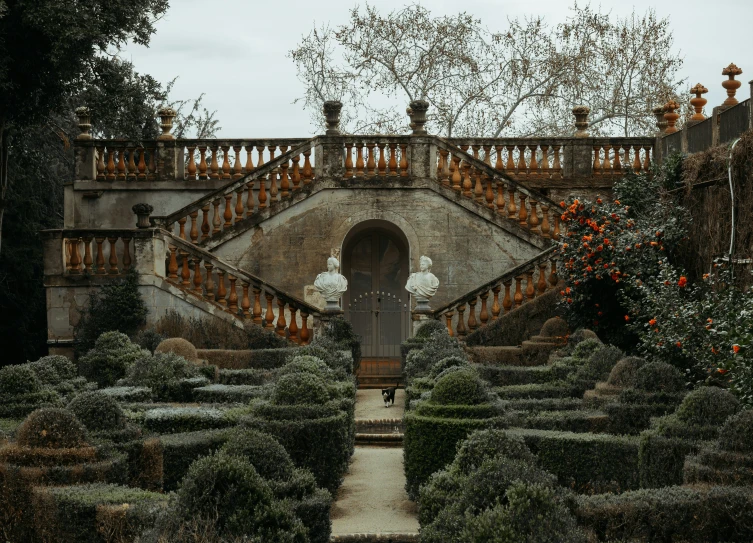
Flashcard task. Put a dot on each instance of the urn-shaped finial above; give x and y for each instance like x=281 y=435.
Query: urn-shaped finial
x=731 y=85
x=84 y=123
x=332 y=110
x=581 y=120
x=166 y=115
x=142 y=212
x=698 y=102
x=417 y=115
x=661 y=123
x=670 y=116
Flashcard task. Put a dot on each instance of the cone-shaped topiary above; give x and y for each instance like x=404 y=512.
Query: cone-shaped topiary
x=300 y=389
x=97 y=411
x=659 y=377
x=707 y=406
x=459 y=388
x=52 y=428
x=623 y=373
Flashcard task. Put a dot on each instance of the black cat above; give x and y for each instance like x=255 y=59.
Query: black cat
x=388 y=395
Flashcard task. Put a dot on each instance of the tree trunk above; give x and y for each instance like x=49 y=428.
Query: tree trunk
x=3 y=175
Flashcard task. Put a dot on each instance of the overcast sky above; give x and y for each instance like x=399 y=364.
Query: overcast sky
x=235 y=51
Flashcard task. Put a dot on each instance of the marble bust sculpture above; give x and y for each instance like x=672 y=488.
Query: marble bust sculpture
x=423 y=284
x=331 y=284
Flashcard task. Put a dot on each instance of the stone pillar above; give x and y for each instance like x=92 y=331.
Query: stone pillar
x=418 y=319
x=422 y=161
x=84 y=153
x=330 y=152
x=578 y=158
x=149 y=251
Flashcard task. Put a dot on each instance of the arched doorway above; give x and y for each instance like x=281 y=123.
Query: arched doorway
x=375 y=262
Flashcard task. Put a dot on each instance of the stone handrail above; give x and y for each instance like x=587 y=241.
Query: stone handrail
x=547 y=279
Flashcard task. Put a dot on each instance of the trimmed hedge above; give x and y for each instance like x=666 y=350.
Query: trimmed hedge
x=557 y=389
x=460 y=387
x=170 y=376
x=172 y=420
x=481 y=411
x=87 y=512
x=500 y=376
x=595 y=422
x=246 y=377
x=110 y=359
x=429 y=444
x=544 y=404
x=438 y=347
x=20 y=405
x=229 y=393
x=694 y=514
x=586 y=463
x=128 y=394
x=180 y=450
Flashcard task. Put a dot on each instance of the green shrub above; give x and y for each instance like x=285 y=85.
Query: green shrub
x=438 y=347
x=480 y=411
x=459 y=388
x=568 y=421
x=229 y=393
x=661 y=459
x=97 y=411
x=447 y=363
x=19 y=379
x=308 y=364
x=227 y=491
x=735 y=435
x=110 y=358
x=537 y=405
x=246 y=377
x=299 y=389
x=598 y=365
x=165 y=374
x=270 y=459
x=63 y=366
x=148 y=339
x=538 y=391
x=708 y=406
x=51 y=428
x=179 y=450
x=428 y=328
x=520 y=375
x=697 y=514
x=585 y=348
x=659 y=377
x=116 y=307
x=623 y=373
x=258 y=337
x=20 y=405
x=338 y=356
x=209 y=333
x=485 y=444
x=633 y=412
x=586 y=463
x=169 y=420
x=128 y=394
x=341 y=332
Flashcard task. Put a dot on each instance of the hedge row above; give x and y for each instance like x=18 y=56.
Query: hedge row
x=171 y=420
x=181 y=449
x=539 y=391
x=229 y=393
x=595 y=422
x=502 y=376
x=250 y=376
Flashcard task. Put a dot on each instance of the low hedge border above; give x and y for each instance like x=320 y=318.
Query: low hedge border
x=128 y=394
x=483 y=411
x=171 y=420
x=595 y=422
x=586 y=463
x=534 y=405
x=714 y=466
x=632 y=418
x=180 y=450
x=661 y=459
x=502 y=376
x=230 y=393
x=538 y=391
x=246 y=377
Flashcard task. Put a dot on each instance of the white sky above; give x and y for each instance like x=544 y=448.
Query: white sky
x=235 y=51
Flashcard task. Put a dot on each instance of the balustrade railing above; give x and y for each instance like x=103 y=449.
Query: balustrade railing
x=515 y=287
x=97 y=252
x=476 y=179
x=617 y=156
x=275 y=181
x=517 y=158
x=376 y=156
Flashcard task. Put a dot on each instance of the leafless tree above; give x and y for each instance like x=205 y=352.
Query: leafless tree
x=523 y=80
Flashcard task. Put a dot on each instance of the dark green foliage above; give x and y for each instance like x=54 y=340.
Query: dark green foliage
x=166 y=375
x=480 y=411
x=696 y=514
x=259 y=337
x=307 y=364
x=519 y=375
x=485 y=444
x=446 y=363
x=586 y=463
x=735 y=435
x=340 y=331
x=110 y=358
x=623 y=373
x=20 y=405
x=128 y=394
x=428 y=328
x=634 y=411
x=555 y=327
x=459 y=388
x=51 y=428
x=598 y=365
x=97 y=411
x=229 y=393
x=539 y=391
x=19 y=379
x=170 y=420
x=708 y=406
x=544 y=404
x=585 y=348
x=63 y=366
x=567 y=421
x=181 y=449
x=117 y=306
x=299 y=389
x=227 y=491
x=148 y=339
x=268 y=457
x=438 y=347
x=659 y=377
x=661 y=459
x=245 y=377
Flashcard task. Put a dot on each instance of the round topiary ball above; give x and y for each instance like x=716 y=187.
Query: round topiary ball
x=486 y=444
x=659 y=377
x=63 y=366
x=270 y=459
x=52 y=428
x=307 y=364
x=623 y=373
x=300 y=389
x=428 y=328
x=19 y=379
x=113 y=354
x=459 y=388
x=450 y=362
x=555 y=327
x=707 y=406
x=586 y=348
x=736 y=433
x=179 y=346
x=98 y=411
x=581 y=334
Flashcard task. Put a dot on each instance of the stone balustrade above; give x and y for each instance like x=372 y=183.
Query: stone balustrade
x=97 y=252
x=500 y=296
x=376 y=156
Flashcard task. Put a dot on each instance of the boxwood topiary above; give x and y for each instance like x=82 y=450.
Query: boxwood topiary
x=19 y=379
x=307 y=364
x=449 y=362
x=426 y=330
x=623 y=373
x=708 y=406
x=459 y=388
x=163 y=373
x=51 y=428
x=659 y=377
x=299 y=389
x=735 y=435
x=97 y=411
x=261 y=338
x=148 y=339
x=342 y=333
x=485 y=444
x=270 y=459
x=113 y=354
x=584 y=349
x=598 y=365
x=438 y=347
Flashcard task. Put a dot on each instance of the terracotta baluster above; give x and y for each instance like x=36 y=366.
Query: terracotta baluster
x=273 y=187
x=262 y=192
x=530 y=289
x=281 y=324
x=730 y=85
x=556 y=166
x=172 y=267
x=221 y=292
x=239 y=208
x=205 y=221
x=182 y=227
x=308 y=170
x=498 y=164
x=467 y=180
x=203 y=162
x=269 y=317
x=444 y=169
x=606 y=166
x=512 y=210
x=382 y=164
x=510 y=166
x=617 y=165
x=533 y=218
x=542 y=278
x=545 y=227
x=293 y=326
x=209 y=284
x=461 y=321
x=371 y=162
x=472 y=324
x=545 y=171
x=250 y=197
x=295 y=176
x=556 y=229
x=121 y=164
x=495 y=304
x=214 y=167
x=403 y=160
x=260 y=152
x=88 y=254
x=636 y=158
x=185 y=272
x=152 y=165
x=110 y=164
x=132 y=170
x=523 y=213
x=225 y=162
x=74 y=259
x=216 y=217
x=507 y=300
x=646 y=158
x=142 y=165
x=305 y=335
x=232 y=296
x=198 y=280
x=249 y=167
x=518 y=291
x=553 y=279
x=100 y=257
x=483 y=316
x=237 y=166
x=533 y=164
x=101 y=164
x=284 y=180
x=359 y=160
x=522 y=168
x=191 y=166
x=489 y=193
x=500 y=197
x=348 y=161
x=245 y=301
x=392 y=164
x=448 y=316
x=478 y=187
x=228 y=214
x=194 y=227
x=126 y=253
x=597 y=160
x=113 y=257
x=456 y=177
x=256 y=315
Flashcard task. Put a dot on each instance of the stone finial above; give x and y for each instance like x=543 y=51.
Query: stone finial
x=423 y=285
x=84 y=123
x=698 y=102
x=142 y=212
x=166 y=115
x=332 y=110
x=418 y=110
x=731 y=85
x=670 y=116
x=661 y=123
x=581 y=120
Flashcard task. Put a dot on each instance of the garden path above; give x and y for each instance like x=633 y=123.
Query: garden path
x=372 y=498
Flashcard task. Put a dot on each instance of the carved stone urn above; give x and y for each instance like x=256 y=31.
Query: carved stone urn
x=84 y=123
x=166 y=115
x=698 y=102
x=142 y=212
x=731 y=85
x=332 y=110
x=661 y=123
x=581 y=120
x=418 y=118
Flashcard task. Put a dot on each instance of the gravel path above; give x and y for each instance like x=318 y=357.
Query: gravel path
x=370 y=406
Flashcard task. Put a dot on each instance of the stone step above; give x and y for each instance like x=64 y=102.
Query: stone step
x=379 y=381
x=375 y=538
x=382 y=440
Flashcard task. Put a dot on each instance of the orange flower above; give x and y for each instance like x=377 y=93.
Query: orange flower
x=722 y=371
x=627 y=318
x=567 y=289
x=652 y=322
x=589 y=268
x=682 y=282
x=617 y=202
x=736 y=348
x=598 y=200
x=714 y=350
x=569 y=300
x=679 y=345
